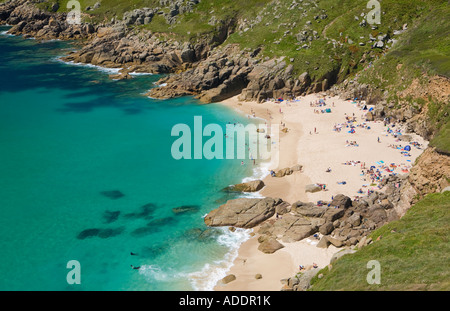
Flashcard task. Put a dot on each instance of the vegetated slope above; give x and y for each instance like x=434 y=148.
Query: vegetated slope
x=413 y=253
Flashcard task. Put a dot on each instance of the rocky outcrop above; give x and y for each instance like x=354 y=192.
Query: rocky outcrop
x=243 y=212
x=30 y=21
x=431 y=172
x=222 y=75
x=251 y=186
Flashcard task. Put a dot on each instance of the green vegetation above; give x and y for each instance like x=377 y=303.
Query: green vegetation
x=413 y=253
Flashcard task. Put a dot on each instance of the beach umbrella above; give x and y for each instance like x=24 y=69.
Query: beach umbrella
x=408 y=148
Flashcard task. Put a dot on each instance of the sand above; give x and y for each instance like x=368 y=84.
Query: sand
x=311 y=142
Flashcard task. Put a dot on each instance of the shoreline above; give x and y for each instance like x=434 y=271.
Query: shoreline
x=309 y=130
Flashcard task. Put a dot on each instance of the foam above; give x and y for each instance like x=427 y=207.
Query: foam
x=100 y=68
x=206 y=279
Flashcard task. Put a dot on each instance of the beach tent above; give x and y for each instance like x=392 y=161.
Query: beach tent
x=408 y=148
x=328 y=110
x=364 y=107
x=371 y=109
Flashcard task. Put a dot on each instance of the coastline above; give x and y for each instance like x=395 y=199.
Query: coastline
x=330 y=150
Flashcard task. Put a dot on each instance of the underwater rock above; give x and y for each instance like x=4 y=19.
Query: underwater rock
x=110 y=217
x=113 y=194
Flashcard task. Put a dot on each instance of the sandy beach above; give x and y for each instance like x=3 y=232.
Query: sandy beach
x=334 y=153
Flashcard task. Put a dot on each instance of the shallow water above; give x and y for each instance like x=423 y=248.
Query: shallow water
x=86 y=174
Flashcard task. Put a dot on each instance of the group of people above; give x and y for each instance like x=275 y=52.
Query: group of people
x=351 y=143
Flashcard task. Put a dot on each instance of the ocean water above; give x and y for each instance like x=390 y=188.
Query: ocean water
x=86 y=174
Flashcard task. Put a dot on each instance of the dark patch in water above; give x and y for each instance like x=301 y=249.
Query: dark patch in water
x=88 y=233
x=110 y=217
x=108 y=233
x=146 y=211
x=101 y=233
x=163 y=221
x=145 y=231
x=186 y=209
x=113 y=194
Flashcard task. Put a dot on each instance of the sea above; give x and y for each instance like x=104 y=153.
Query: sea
x=91 y=197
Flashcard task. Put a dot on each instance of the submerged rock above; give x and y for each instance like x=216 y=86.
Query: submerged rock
x=88 y=233
x=110 y=217
x=101 y=233
x=186 y=209
x=146 y=211
x=113 y=194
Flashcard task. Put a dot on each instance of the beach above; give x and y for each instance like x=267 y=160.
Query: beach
x=340 y=151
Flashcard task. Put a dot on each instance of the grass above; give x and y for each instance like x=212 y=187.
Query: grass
x=414 y=253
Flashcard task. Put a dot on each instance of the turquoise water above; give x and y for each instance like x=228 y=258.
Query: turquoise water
x=79 y=151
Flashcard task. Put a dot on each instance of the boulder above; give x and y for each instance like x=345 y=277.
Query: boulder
x=251 y=186
x=297 y=168
x=341 y=201
x=335 y=242
x=283 y=172
x=304 y=280
x=312 y=188
x=298 y=232
x=340 y=254
x=242 y=212
x=331 y=214
x=354 y=220
x=323 y=243
x=326 y=228
x=270 y=246
x=307 y=209
x=229 y=278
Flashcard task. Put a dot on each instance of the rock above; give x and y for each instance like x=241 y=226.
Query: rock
x=229 y=278
x=251 y=186
x=307 y=209
x=297 y=168
x=331 y=214
x=283 y=172
x=340 y=254
x=370 y=116
x=445 y=189
x=335 y=242
x=326 y=228
x=341 y=201
x=304 y=280
x=113 y=194
x=258 y=276
x=282 y=209
x=354 y=220
x=386 y=204
x=312 y=188
x=323 y=243
x=362 y=242
x=378 y=215
x=298 y=232
x=270 y=246
x=243 y=212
